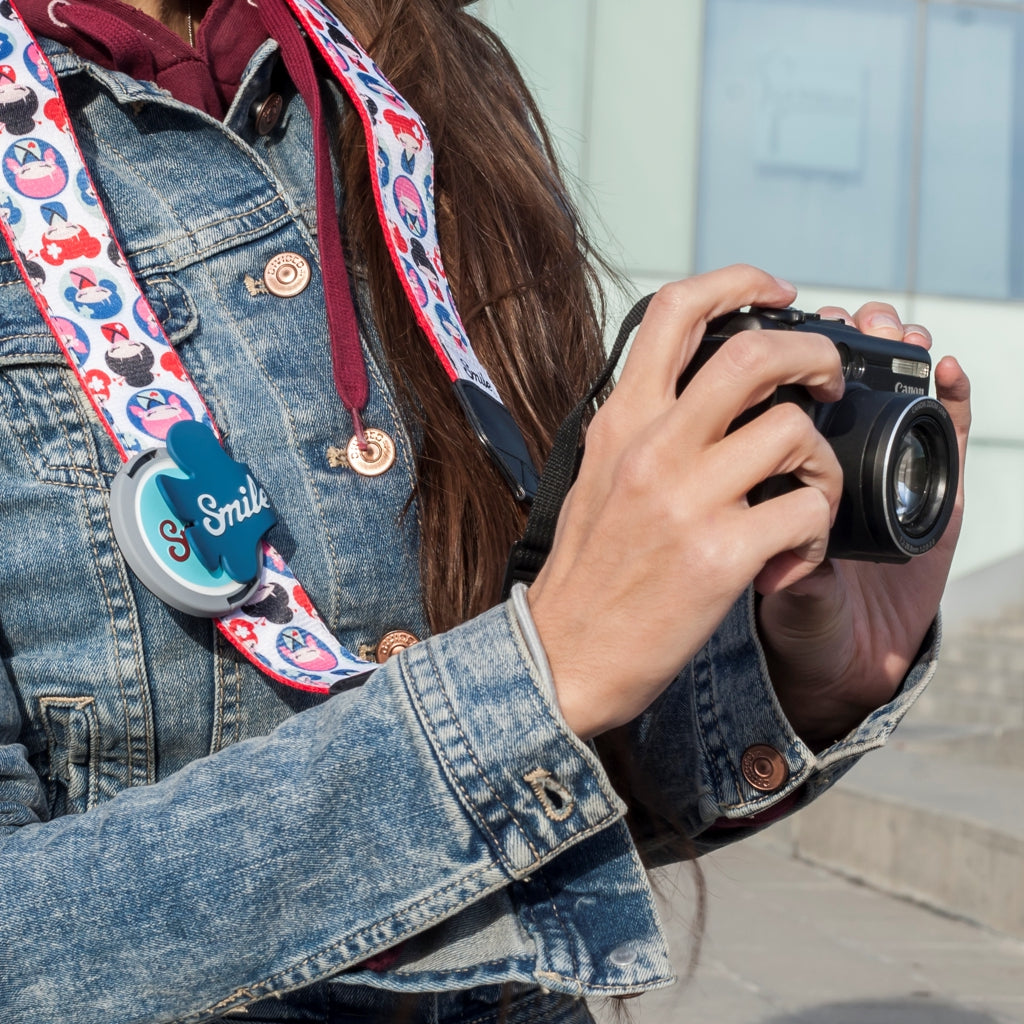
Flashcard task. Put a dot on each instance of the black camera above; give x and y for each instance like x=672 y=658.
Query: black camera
x=896 y=446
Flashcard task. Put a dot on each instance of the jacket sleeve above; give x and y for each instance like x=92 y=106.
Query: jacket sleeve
x=698 y=745
x=287 y=858
x=369 y=819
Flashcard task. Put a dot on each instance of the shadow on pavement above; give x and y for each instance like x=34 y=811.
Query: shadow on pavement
x=889 y=1011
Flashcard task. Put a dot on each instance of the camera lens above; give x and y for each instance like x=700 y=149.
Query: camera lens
x=912 y=478
x=921 y=487
x=899 y=460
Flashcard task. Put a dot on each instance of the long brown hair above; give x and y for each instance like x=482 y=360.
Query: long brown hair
x=526 y=282
x=517 y=260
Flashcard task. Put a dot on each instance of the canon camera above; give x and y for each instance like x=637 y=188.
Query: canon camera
x=896 y=446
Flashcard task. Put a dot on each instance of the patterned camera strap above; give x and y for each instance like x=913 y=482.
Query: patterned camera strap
x=48 y=200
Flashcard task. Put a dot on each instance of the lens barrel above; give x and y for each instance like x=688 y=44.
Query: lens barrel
x=912 y=476
x=900 y=468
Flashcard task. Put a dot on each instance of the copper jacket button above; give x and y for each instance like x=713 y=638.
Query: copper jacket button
x=764 y=768
x=378 y=456
x=286 y=274
x=268 y=113
x=393 y=642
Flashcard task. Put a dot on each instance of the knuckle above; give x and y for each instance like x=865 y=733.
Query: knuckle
x=748 y=353
x=793 y=424
x=639 y=475
x=673 y=300
x=747 y=271
x=715 y=556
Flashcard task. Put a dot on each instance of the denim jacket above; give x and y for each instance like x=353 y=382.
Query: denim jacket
x=181 y=839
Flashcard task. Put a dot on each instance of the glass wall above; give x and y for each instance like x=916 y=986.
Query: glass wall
x=971 y=179
x=866 y=149
x=885 y=137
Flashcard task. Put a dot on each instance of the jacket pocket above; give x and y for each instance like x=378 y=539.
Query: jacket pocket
x=72 y=734
x=51 y=428
x=50 y=410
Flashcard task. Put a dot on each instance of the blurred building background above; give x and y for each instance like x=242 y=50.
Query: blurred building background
x=860 y=148
x=863 y=149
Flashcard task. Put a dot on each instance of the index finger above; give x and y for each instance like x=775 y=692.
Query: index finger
x=675 y=323
x=748 y=368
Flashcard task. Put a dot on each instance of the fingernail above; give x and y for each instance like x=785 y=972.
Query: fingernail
x=783 y=283
x=884 y=320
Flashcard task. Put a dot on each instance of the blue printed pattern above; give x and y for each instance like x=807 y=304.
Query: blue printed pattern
x=404 y=189
x=62 y=242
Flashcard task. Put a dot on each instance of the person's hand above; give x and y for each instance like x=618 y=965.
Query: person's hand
x=840 y=641
x=656 y=539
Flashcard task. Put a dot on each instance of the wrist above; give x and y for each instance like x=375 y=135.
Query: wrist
x=822 y=710
x=577 y=713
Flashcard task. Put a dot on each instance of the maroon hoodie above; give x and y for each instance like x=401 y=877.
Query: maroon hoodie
x=121 y=38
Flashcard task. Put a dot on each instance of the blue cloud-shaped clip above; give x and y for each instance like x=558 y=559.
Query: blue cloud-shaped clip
x=225 y=511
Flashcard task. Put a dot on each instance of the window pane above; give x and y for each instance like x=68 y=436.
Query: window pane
x=967 y=179
x=807 y=138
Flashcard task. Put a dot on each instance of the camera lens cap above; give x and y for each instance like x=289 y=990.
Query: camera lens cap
x=159 y=547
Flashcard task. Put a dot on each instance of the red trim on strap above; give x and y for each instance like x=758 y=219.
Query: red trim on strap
x=361 y=109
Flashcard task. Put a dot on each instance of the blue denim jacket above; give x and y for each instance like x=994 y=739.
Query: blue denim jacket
x=179 y=837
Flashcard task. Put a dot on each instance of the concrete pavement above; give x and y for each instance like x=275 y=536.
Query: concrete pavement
x=935 y=820
x=791 y=943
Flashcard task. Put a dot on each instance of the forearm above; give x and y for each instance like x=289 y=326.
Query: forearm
x=287 y=858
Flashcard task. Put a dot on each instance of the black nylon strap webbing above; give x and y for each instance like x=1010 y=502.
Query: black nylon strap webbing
x=530 y=552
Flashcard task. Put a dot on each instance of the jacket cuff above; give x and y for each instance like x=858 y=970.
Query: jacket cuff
x=484 y=697
x=798 y=774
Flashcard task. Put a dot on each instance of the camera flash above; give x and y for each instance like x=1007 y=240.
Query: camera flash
x=910 y=368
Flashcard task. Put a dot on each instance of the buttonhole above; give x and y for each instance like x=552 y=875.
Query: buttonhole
x=557 y=801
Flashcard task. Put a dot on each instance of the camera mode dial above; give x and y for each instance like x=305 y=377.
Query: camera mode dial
x=789 y=317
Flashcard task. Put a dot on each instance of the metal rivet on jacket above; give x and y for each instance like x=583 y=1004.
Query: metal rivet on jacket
x=376 y=458
x=764 y=768
x=268 y=113
x=393 y=643
x=286 y=275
